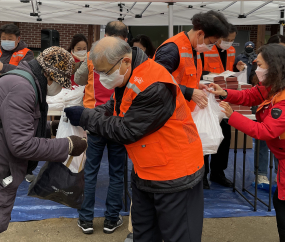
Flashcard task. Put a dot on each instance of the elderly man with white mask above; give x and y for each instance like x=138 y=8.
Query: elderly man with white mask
x=23 y=116
x=149 y=115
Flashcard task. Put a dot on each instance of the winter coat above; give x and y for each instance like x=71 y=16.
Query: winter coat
x=18 y=144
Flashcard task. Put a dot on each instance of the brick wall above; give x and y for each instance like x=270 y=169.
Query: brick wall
x=253 y=31
x=31 y=32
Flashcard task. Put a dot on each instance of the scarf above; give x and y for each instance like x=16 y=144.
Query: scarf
x=251 y=56
x=38 y=72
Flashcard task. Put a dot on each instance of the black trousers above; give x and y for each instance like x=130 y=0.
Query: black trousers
x=219 y=161
x=171 y=217
x=279 y=206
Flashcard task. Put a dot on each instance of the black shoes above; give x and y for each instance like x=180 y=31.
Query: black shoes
x=206 y=184
x=111 y=226
x=86 y=226
x=221 y=179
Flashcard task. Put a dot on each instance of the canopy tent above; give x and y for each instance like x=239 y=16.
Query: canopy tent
x=138 y=13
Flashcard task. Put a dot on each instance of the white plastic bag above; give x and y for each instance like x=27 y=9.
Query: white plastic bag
x=208 y=125
x=65 y=129
x=74 y=97
x=55 y=103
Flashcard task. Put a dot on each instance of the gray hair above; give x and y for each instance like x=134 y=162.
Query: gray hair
x=113 y=53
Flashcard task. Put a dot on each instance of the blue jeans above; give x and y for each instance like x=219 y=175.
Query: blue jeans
x=116 y=156
x=264 y=158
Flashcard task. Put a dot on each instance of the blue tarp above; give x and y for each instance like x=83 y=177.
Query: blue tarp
x=219 y=201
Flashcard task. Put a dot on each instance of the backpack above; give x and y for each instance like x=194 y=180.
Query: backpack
x=25 y=75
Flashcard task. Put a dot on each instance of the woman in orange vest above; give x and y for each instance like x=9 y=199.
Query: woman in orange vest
x=149 y=115
x=270 y=115
x=78 y=49
x=219 y=59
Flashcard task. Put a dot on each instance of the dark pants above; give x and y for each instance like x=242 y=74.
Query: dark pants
x=171 y=217
x=279 y=206
x=219 y=161
x=116 y=156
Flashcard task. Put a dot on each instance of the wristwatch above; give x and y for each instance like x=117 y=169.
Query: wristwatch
x=224 y=97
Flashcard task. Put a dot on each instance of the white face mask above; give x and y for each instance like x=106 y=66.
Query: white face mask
x=113 y=80
x=225 y=45
x=81 y=53
x=8 y=44
x=203 y=47
x=261 y=73
x=53 y=89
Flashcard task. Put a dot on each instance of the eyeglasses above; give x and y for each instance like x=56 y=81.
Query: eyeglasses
x=106 y=73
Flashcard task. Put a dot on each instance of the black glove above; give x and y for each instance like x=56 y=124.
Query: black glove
x=77 y=145
x=74 y=114
x=53 y=127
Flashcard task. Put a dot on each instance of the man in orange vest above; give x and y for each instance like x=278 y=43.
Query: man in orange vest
x=149 y=115
x=180 y=54
x=12 y=50
x=221 y=58
x=95 y=95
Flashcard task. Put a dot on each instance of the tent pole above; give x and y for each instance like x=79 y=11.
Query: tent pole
x=281 y=22
x=241 y=7
x=170 y=20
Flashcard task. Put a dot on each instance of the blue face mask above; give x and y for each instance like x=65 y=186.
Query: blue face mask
x=8 y=44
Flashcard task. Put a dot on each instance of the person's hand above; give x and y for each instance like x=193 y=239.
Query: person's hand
x=203 y=86
x=200 y=98
x=240 y=66
x=1 y=66
x=77 y=145
x=53 y=127
x=217 y=90
x=228 y=110
x=74 y=114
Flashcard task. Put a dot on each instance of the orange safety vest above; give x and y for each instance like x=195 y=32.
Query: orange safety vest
x=186 y=74
x=273 y=100
x=17 y=56
x=213 y=63
x=89 y=95
x=173 y=151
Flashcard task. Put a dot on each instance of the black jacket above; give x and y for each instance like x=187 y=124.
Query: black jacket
x=168 y=56
x=149 y=111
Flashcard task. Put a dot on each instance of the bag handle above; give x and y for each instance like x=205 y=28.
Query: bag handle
x=81 y=163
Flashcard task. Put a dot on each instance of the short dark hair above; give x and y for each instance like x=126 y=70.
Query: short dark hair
x=116 y=29
x=277 y=39
x=212 y=23
x=232 y=29
x=75 y=40
x=274 y=56
x=10 y=29
x=145 y=42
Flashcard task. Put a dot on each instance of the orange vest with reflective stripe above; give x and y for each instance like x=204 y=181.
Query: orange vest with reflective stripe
x=17 y=56
x=89 y=96
x=173 y=151
x=213 y=63
x=186 y=74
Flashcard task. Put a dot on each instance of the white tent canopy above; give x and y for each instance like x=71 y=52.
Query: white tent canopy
x=153 y=13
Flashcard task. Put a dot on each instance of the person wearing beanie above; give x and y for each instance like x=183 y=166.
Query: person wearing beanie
x=246 y=58
x=23 y=116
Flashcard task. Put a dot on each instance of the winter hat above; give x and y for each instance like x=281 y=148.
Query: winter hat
x=249 y=43
x=58 y=64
